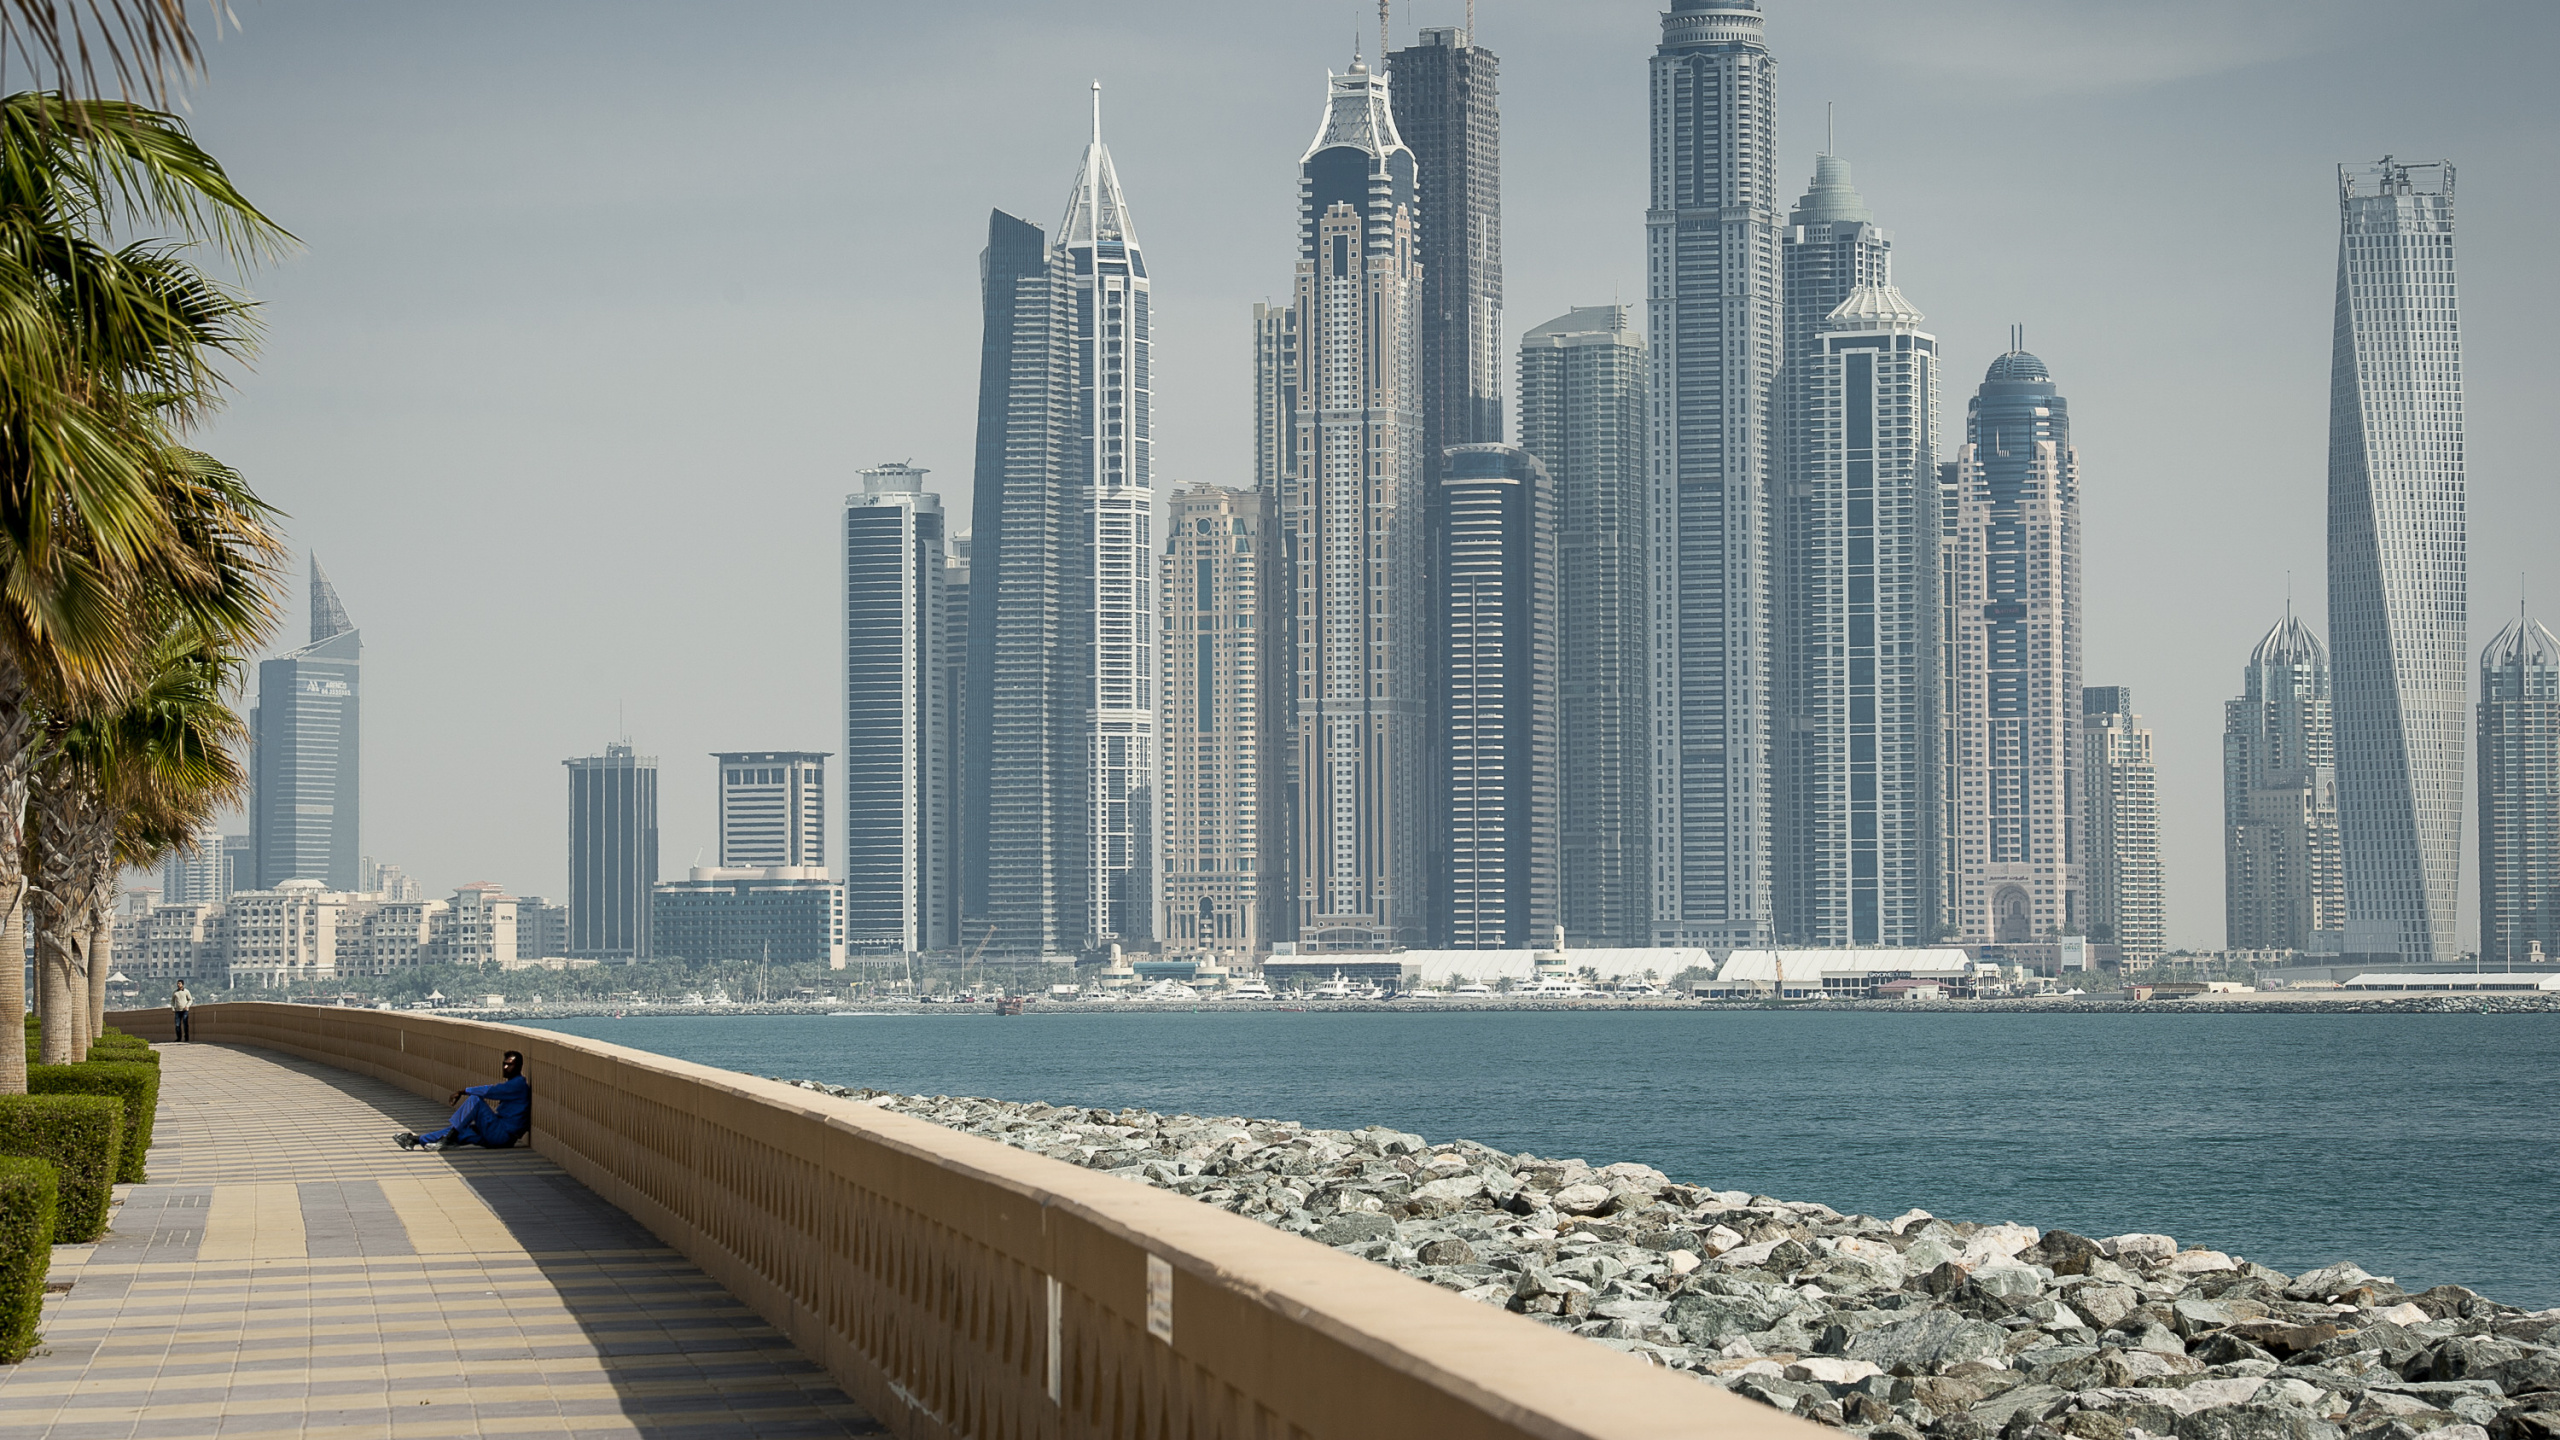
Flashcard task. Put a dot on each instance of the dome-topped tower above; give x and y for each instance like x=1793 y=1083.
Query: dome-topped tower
x=2017 y=367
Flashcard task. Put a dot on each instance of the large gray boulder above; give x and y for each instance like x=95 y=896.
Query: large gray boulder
x=1928 y=1343
x=2251 y=1421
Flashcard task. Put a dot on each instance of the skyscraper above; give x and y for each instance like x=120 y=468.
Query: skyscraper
x=2281 y=884
x=2398 y=578
x=1858 y=675
x=1012 y=274
x=1497 y=624
x=304 y=751
x=2128 y=902
x=2017 y=661
x=2520 y=795
x=1446 y=111
x=1355 y=513
x=1070 y=576
x=899 y=808
x=1713 y=291
x=773 y=803
x=1225 y=691
x=1582 y=407
x=195 y=873
x=613 y=852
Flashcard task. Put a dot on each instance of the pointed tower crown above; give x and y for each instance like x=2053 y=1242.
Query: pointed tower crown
x=1831 y=196
x=328 y=617
x=1356 y=114
x=1096 y=211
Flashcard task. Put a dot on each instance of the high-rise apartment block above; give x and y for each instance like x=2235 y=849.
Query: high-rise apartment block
x=2282 y=888
x=773 y=802
x=1498 y=740
x=1713 y=285
x=1446 y=112
x=1354 y=511
x=784 y=915
x=1065 y=600
x=2520 y=795
x=2016 y=661
x=196 y=873
x=2399 y=579
x=2128 y=901
x=1582 y=414
x=613 y=853
x=900 y=806
x=1225 y=824
x=304 y=752
x=1858 y=677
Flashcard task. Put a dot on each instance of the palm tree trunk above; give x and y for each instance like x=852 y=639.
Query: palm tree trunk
x=16 y=729
x=55 y=900
x=104 y=874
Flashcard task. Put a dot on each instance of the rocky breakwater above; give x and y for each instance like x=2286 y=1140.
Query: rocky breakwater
x=1908 y=1327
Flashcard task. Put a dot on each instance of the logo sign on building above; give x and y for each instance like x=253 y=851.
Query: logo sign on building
x=1160 y=1298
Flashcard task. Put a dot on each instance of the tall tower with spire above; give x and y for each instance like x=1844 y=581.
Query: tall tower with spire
x=1354 y=514
x=2281 y=887
x=304 y=751
x=2520 y=794
x=1713 y=287
x=1068 y=622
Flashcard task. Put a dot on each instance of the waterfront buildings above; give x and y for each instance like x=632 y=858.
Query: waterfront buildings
x=1582 y=414
x=1496 y=626
x=2016 y=661
x=900 y=804
x=1858 y=677
x=2282 y=885
x=725 y=916
x=304 y=751
x=1070 y=740
x=1446 y=112
x=2398 y=573
x=1224 y=826
x=292 y=933
x=613 y=852
x=1713 y=294
x=2128 y=901
x=2520 y=794
x=1354 y=511
x=542 y=928
x=773 y=802
x=1275 y=473
x=196 y=873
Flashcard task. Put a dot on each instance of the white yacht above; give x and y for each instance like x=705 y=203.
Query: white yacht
x=1474 y=989
x=1423 y=993
x=1250 y=989
x=1557 y=988
x=1336 y=988
x=1168 y=990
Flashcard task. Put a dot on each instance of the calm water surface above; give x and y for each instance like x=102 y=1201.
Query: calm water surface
x=2421 y=1146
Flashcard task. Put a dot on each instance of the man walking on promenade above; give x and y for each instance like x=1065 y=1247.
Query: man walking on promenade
x=180 y=1002
x=495 y=1116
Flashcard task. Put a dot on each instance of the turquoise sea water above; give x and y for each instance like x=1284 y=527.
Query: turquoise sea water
x=2421 y=1146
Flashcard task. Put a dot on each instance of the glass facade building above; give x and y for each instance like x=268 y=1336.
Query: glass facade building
x=613 y=852
x=901 y=810
x=773 y=803
x=2128 y=897
x=2282 y=886
x=2016 y=662
x=1498 y=740
x=2399 y=576
x=1582 y=414
x=1225 y=824
x=1713 y=286
x=1857 y=676
x=1354 y=511
x=2520 y=795
x=304 y=751
x=746 y=917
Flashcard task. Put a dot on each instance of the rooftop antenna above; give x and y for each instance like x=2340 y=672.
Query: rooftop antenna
x=1097 y=112
x=1471 y=22
x=1386 y=41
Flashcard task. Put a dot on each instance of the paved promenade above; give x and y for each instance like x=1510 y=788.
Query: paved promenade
x=287 y=1272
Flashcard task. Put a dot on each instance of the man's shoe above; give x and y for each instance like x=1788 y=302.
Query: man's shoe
x=449 y=1142
x=406 y=1140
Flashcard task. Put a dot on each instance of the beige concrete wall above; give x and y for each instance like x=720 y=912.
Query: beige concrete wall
x=959 y=1287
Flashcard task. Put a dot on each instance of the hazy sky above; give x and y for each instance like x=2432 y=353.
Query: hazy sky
x=603 y=306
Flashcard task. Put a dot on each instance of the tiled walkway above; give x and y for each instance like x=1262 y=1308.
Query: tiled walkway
x=287 y=1272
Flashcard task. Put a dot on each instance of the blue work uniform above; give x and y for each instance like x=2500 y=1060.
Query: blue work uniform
x=478 y=1124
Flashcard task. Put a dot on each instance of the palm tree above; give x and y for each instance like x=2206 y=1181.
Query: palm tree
x=107 y=352
x=141 y=42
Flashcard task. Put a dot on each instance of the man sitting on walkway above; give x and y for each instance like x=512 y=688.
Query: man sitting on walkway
x=492 y=1115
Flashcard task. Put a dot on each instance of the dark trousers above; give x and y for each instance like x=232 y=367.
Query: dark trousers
x=474 y=1124
x=178 y=1019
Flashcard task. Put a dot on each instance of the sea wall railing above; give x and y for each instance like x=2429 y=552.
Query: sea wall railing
x=958 y=1287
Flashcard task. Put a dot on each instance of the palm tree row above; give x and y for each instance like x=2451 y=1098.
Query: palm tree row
x=134 y=571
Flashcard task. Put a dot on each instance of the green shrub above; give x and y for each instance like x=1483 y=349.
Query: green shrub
x=83 y=1137
x=138 y=1086
x=28 y=1193
x=103 y=1053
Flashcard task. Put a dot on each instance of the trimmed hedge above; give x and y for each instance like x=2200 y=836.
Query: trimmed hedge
x=83 y=1137
x=104 y=1053
x=138 y=1086
x=28 y=1194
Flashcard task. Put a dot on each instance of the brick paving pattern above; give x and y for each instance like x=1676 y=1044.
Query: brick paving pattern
x=286 y=1271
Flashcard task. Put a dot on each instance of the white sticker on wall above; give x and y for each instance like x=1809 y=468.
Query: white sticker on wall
x=1160 y=1298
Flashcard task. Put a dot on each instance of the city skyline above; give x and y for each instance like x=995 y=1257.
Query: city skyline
x=2117 y=388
